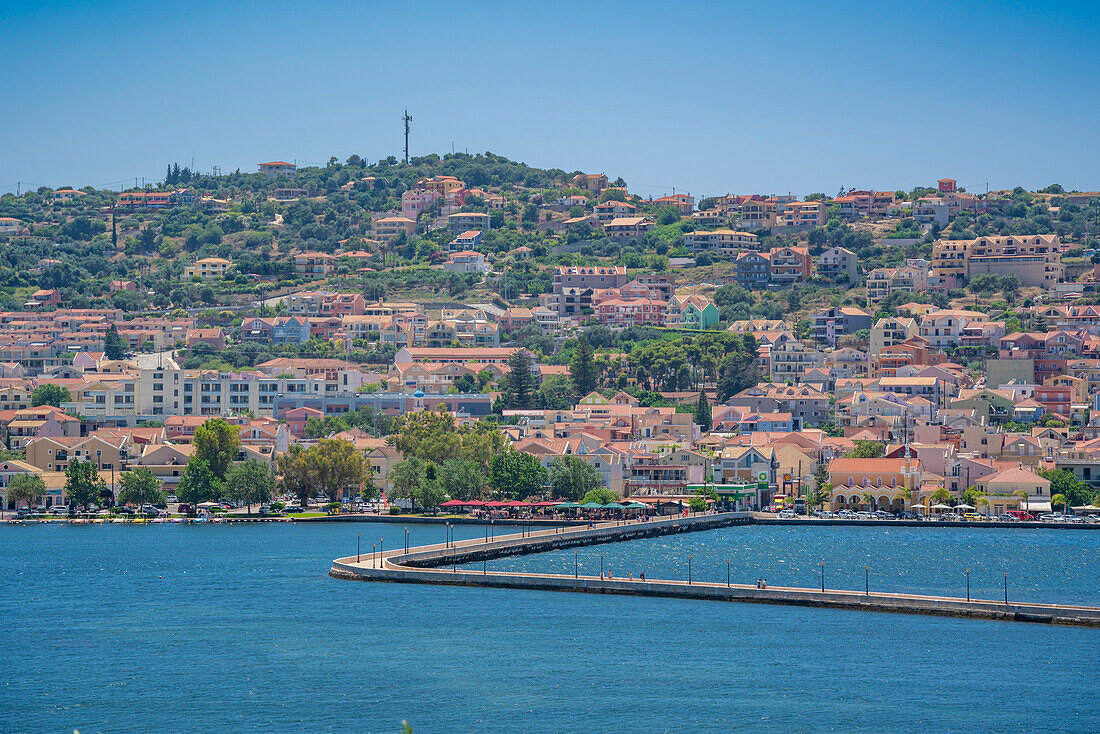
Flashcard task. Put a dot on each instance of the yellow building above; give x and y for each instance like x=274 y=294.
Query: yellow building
x=208 y=268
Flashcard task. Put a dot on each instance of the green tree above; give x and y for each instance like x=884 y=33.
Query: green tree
x=140 y=487
x=601 y=495
x=218 y=443
x=1059 y=500
x=405 y=476
x=941 y=496
x=83 y=484
x=702 y=412
x=556 y=392
x=198 y=483
x=516 y=475
x=50 y=394
x=463 y=479
x=571 y=477
x=520 y=382
x=331 y=467
x=432 y=436
x=867 y=450
x=27 y=488
x=429 y=493
x=1064 y=483
x=582 y=368
x=114 y=346
x=324 y=426
x=251 y=482
x=972 y=496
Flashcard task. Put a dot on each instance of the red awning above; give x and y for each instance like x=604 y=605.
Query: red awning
x=453 y=503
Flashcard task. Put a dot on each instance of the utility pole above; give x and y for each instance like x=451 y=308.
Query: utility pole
x=408 y=119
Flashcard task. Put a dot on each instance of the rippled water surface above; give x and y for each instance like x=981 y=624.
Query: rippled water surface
x=238 y=628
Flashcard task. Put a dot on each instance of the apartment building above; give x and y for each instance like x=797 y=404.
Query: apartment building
x=722 y=241
x=1035 y=259
x=612 y=210
x=619 y=314
x=624 y=228
x=789 y=265
x=884 y=282
x=314 y=263
x=275 y=169
x=208 y=268
x=839 y=264
x=464 y=221
x=390 y=228
x=416 y=201
x=803 y=214
x=837 y=321
x=890 y=331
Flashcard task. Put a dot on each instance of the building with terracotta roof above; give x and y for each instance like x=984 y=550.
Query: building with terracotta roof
x=274 y=169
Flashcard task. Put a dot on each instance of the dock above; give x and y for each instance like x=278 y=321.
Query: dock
x=438 y=564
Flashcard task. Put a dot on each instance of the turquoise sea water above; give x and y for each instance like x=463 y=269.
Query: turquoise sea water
x=238 y=628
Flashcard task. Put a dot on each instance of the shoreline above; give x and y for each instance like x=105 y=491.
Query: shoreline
x=754 y=518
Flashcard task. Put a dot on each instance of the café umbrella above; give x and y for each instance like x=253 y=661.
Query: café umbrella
x=591 y=506
x=613 y=506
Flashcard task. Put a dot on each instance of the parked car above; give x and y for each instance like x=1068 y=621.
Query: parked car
x=884 y=515
x=59 y=510
x=186 y=509
x=973 y=517
x=172 y=499
x=788 y=515
x=1006 y=518
x=864 y=515
x=949 y=517
x=1021 y=515
x=846 y=515
x=294 y=508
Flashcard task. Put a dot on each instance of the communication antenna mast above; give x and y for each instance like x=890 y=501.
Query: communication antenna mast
x=408 y=119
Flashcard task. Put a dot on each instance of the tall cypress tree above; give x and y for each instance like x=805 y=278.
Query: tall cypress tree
x=114 y=346
x=582 y=368
x=521 y=383
x=702 y=412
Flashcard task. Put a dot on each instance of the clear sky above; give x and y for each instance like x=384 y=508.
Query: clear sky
x=706 y=97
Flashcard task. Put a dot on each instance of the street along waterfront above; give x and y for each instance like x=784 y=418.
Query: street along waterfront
x=102 y=619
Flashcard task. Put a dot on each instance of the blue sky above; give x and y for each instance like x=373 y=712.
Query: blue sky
x=704 y=97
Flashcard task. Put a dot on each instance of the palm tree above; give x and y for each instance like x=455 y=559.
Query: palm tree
x=1022 y=494
x=904 y=494
x=869 y=499
x=1060 y=499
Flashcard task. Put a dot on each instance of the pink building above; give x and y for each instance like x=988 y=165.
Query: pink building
x=415 y=201
x=641 y=312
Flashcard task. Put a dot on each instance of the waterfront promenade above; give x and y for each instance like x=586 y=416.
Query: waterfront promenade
x=438 y=564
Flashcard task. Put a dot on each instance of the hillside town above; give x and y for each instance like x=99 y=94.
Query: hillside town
x=934 y=352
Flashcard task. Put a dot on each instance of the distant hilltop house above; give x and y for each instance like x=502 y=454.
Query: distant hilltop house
x=389 y=228
x=274 y=169
x=10 y=225
x=155 y=199
x=314 y=263
x=66 y=195
x=208 y=268
x=594 y=182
